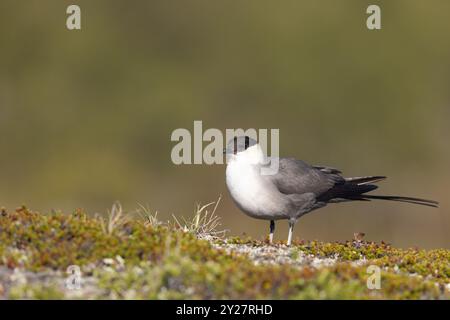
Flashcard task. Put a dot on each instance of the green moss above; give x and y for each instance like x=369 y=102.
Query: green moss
x=433 y=263
x=163 y=262
x=41 y=292
x=35 y=242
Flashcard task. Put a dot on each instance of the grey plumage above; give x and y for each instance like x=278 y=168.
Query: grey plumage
x=296 y=189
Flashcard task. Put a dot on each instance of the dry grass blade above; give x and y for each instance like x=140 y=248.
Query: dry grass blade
x=205 y=223
x=115 y=219
x=150 y=220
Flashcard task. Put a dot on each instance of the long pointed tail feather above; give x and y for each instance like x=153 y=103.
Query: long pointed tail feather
x=423 y=202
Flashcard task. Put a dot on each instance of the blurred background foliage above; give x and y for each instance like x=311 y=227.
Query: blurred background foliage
x=86 y=116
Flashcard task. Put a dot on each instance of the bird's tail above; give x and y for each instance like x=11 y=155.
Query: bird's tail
x=423 y=202
x=356 y=188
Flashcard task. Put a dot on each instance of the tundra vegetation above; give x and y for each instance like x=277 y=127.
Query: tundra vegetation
x=136 y=256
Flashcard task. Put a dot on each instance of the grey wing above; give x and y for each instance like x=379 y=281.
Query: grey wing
x=298 y=177
x=328 y=169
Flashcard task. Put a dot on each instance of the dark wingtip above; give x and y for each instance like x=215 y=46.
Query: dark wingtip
x=365 y=180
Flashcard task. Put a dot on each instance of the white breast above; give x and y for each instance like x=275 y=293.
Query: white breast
x=252 y=193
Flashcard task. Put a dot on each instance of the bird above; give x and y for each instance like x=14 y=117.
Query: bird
x=296 y=189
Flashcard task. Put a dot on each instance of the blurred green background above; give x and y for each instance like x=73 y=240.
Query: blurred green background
x=86 y=116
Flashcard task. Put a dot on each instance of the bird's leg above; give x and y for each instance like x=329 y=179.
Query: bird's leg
x=291 y=231
x=272 y=230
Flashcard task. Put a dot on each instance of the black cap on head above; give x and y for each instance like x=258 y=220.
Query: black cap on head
x=239 y=144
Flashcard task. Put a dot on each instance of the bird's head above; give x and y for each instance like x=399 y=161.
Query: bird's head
x=245 y=149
